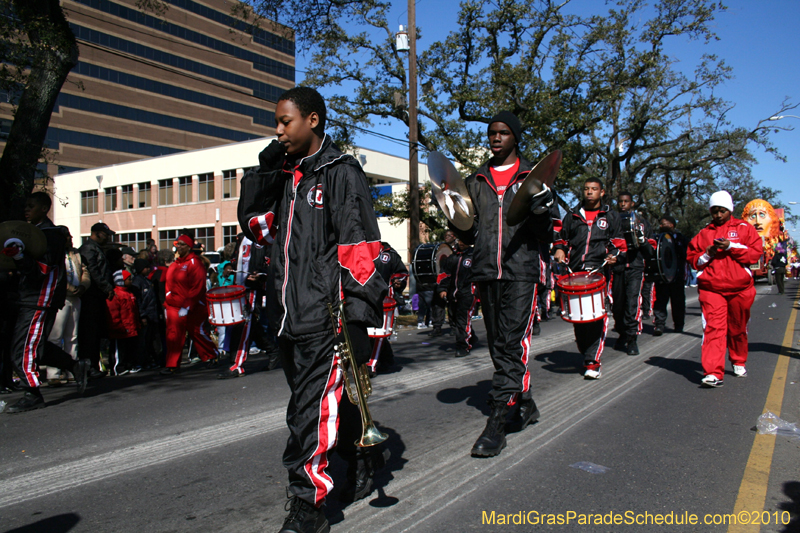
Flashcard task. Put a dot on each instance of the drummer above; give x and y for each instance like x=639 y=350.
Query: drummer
x=675 y=290
x=506 y=268
x=628 y=277
x=391 y=268
x=590 y=236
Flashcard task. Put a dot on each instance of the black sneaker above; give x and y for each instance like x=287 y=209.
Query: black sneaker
x=28 y=402
x=96 y=374
x=460 y=352
x=304 y=518
x=437 y=332
x=633 y=348
x=170 y=371
x=81 y=373
x=537 y=329
x=212 y=363
x=622 y=343
x=228 y=374
x=658 y=331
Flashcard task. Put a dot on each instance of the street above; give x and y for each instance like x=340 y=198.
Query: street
x=143 y=452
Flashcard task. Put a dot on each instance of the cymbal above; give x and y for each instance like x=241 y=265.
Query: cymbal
x=545 y=172
x=450 y=192
x=29 y=236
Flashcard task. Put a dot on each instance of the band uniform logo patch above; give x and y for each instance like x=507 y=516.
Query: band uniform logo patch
x=602 y=223
x=732 y=234
x=385 y=257
x=314 y=197
x=467 y=263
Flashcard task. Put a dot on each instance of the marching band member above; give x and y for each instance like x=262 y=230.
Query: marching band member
x=456 y=287
x=674 y=291
x=722 y=254
x=628 y=278
x=590 y=235
x=506 y=266
x=312 y=203
x=394 y=272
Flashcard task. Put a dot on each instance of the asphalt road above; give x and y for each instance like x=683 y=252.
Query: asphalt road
x=144 y=453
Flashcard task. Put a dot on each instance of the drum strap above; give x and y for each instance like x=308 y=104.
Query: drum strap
x=243 y=261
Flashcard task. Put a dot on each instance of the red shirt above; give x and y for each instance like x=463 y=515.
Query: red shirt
x=590 y=216
x=502 y=178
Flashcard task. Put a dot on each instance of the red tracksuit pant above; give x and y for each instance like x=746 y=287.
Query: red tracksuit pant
x=196 y=325
x=725 y=318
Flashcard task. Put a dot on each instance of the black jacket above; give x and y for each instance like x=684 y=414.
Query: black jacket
x=503 y=251
x=457 y=276
x=99 y=269
x=778 y=260
x=681 y=245
x=146 y=298
x=43 y=281
x=587 y=247
x=635 y=256
x=391 y=268
x=324 y=237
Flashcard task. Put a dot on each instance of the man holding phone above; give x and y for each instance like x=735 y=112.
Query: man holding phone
x=722 y=253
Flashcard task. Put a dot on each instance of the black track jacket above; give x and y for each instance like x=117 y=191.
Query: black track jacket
x=587 y=247
x=502 y=251
x=324 y=239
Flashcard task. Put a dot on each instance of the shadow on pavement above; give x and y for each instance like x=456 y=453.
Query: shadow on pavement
x=561 y=362
x=474 y=395
x=54 y=524
x=691 y=370
x=792 y=490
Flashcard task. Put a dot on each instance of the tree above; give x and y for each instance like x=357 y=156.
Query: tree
x=602 y=88
x=39 y=50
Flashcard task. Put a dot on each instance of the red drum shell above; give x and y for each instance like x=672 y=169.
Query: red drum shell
x=226 y=305
x=582 y=297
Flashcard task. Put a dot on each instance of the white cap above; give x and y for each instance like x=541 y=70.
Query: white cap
x=722 y=199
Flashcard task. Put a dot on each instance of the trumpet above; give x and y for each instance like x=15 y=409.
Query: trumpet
x=359 y=386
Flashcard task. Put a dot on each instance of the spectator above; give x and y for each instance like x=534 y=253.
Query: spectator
x=778 y=264
x=675 y=291
x=123 y=325
x=148 y=314
x=128 y=257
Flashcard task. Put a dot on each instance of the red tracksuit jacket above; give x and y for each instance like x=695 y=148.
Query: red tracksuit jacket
x=186 y=281
x=123 y=315
x=729 y=271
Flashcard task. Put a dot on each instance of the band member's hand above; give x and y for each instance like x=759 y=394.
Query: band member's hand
x=559 y=256
x=722 y=244
x=611 y=259
x=712 y=250
x=443 y=295
x=541 y=202
x=362 y=344
x=144 y=322
x=272 y=157
x=110 y=295
x=183 y=311
x=397 y=283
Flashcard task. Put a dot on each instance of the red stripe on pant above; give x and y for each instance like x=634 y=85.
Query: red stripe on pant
x=526 y=348
x=34 y=338
x=194 y=324
x=244 y=339
x=725 y=318
x=326 y=435
x=376 y=353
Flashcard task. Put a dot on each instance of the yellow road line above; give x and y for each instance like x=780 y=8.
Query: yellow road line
x=753 y=490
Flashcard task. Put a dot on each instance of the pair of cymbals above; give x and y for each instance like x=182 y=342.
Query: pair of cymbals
x=27 y=236
x=454 y=199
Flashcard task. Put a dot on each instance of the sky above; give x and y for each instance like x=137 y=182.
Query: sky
x=759 y=39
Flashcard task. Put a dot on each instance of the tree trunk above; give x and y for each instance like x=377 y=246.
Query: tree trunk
x=56 y=53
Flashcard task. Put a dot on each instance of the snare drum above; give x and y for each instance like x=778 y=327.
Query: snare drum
x=389 y=305
x=583 y=297
x=226 y=305
x=426 y=264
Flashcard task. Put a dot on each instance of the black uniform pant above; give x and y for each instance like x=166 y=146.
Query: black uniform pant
x=591 y=338
x=648 y=297
x=461 y=310
x=431 y=305
x=780 y=274
x=30 y=348
x=666 y=292
x=92 y=326
x=626 y=294
x=509 y=310
x=316 y=416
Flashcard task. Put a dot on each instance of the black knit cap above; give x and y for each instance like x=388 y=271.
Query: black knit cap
x=669 y=219
x=140 y=264
x=509 y=119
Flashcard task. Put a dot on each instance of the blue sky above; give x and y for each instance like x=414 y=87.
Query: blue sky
x=759 y=39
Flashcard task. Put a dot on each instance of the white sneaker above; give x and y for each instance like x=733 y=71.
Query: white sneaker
x=739 y=371
x=711 y=381
x=421 y=325
x=591 y=374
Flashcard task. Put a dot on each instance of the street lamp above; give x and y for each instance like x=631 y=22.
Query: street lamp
x=778 y=117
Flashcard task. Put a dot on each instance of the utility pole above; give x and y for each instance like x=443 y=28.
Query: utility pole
x=413 y=164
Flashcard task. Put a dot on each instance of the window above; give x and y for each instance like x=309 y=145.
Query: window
x=206 y=184
x=205 y=236
x=229 y=185
x=127 y=197
x=144 y=195
x=111 y=199
x=185 y=190
x=229 y=234
x=88 y=202
x=166 y=238
x=165 y=193
x=136 y=240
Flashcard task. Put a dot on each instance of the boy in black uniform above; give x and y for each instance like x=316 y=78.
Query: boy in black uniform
x=506 y=266
x=590 y=234
x=455 y=286
x=395 y=274
x=674 y=291
x=628 y=275
x=41 y=293
x=312 y=203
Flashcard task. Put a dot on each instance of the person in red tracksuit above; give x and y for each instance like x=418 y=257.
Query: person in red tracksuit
x=722 y=253
x=186 y=308
x=123 y=324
